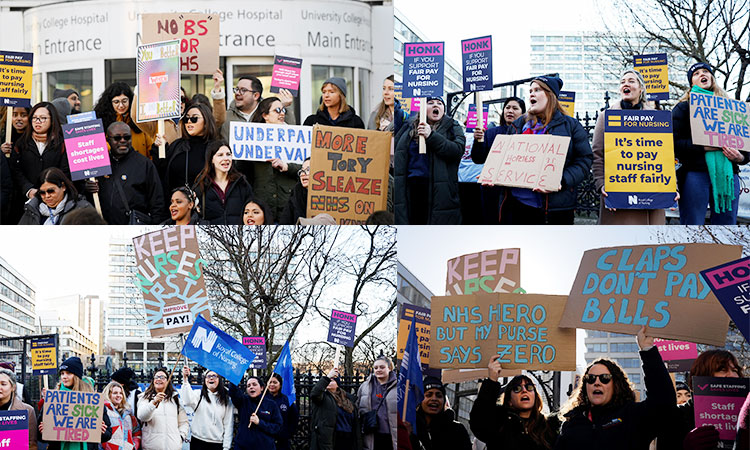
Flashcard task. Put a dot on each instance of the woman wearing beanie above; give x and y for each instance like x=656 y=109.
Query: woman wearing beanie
x=213 y=422
x=334 y=110
x=9 y=401
x=165 y=423
x=706 y=176
x=259 y=420
x=436 y=427
x=334 y=421
x=426 y=185
x=71 y=379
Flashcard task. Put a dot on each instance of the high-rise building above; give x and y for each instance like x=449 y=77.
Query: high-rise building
x=81 y=310
x=17 y=310
x=72 y=339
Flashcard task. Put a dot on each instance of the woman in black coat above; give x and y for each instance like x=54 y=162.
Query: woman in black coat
x=222 y=191
x=334 y=111
x=54 y=197
x=296 y=206
x=437 y=428
x=334 y=419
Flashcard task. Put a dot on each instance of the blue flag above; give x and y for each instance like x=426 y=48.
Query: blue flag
x=215 y=350
x=411 y=369
x=285 y=369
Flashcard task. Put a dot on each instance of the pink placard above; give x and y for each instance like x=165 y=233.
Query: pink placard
x=86 y=148
x=674 y=350
x=286 y=74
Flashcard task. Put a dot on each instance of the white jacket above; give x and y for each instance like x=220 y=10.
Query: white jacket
x=212 y=422
x=165 y=427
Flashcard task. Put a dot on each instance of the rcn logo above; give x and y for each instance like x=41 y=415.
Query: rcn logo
x=204 y=340
x=632 y=199
x=416 y=92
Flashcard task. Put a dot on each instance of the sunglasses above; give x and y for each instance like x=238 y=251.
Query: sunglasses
x=280 y=110
x=47 y=192
x=520 y=387
x=192 y=119
x=604 y=378
x=121 y=137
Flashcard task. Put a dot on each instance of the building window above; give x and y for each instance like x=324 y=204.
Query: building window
x=596 y=348
x=622 y=347
x=120 y=70
x=79 y=80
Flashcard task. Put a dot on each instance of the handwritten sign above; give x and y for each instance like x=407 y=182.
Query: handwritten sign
x=718 y=121
x=526 y=160
x=423 y=69
x=72 y=416
x=476 y=55
x=487 y=271
x=158 y=75
x=471 y=117
x=568 y=102
x=86 y=147
x=718 y=401
x=678 y=356
x=15 y=78
x=467 y=330
x=730 y=283
x=198 y=35
x=341 y=328
x=655 y=72
x=422 y=327
x=619 y=289
x=348 y=173
x=170 y=277
x=257 y=345
x=286 y=74
x=252 y=141
x=43 y=356
x=639 y=168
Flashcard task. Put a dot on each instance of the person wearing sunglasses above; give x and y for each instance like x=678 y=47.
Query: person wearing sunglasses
x=213 y=422
x=437 y=427
x=55 y=196
x=515 y=423
x=296 y=205
x=602 y=412
x=164 y=421
x=115 y=105
x=247 y=96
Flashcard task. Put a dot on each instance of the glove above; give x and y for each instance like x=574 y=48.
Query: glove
x=701 y=438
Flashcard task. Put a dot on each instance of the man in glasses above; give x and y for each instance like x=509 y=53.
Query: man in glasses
x=133 y=187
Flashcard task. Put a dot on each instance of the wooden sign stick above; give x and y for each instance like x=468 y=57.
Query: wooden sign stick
x=480 y=112
x=422 y=119
x=97 y=203
x=160 y=132
x=8 y=126
x=260 y=402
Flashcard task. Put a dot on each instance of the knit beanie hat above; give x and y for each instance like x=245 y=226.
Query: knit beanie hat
x=72 y=365
x=554 y=83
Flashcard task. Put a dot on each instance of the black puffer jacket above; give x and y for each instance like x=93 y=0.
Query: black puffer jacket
x=445 y=147
x=32 y=216
x=229 y=212
x=324 y=415
x=296 y=206
x=631 y=426
x=26 y=164
x=184 y=160
x=443 y=433
x=349 y=119
x=501 y=428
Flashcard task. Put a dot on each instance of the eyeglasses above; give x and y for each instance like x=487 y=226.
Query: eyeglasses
x=242 y=91
x=212 y=376
x=39 y=119
x=124 y=101
x=605 y=378
x=301 y=171
x=192 y=119
x=280 y=110
x=50 y=191
x=121 y=137
x=519 y=387
x=160 y=377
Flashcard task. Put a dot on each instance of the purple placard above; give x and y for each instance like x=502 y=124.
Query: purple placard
x=718 y=401
x=673 y=350
x=471 y=117
x=257 y=345
x=286 y=74
x=14 y=430
x=86 y=147
x=341 y=328
x=730 y=284
x=476 y=55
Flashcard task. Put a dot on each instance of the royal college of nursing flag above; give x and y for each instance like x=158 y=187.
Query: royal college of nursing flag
x=216 y=350
x=411 y=370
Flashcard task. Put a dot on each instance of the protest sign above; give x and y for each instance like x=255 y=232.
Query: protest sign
x=170 y=277
x=467 y=330
x=718 y=401
x=476 y=55
x=568 y=102
x=81 y=117
x=348 y=173
x=43 y=356
x=72 y=416
x=639 y=170
x=678 y=356
x=252 y=141
x=462 y=375
x=158 y=75
x=257 y=345
x=216 y=350
x=286 y=74
x=487 y=271
x=730 y=283
x=526 y=160
x=422 y=318
x=471 y=117
x=398 y=94
x=86 y=147
x=198 y=35
x=15 y=79
x=341 y=328
x=423 y=69
x=718 y=121
x=655 y=72
x=14 y=429
x=620 y=289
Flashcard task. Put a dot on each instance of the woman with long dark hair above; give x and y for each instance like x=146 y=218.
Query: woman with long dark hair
x=116 y=105
x=213 y=418
x=165 y=424
x=223 y=191
x=334 y=421
x=55 y=196
x=256 y=212
x=259 y=421
x=20 y=121
x=289 y=413
x=183 y=208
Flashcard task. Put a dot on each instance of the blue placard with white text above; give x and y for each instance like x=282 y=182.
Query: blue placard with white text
x=423 y=69
x=476 y=56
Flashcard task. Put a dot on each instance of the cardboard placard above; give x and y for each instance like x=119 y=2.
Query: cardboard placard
x=639 y=170
x=678 y=356
x=72 y=416
x=423 y=69
x=568 y=102
x=462 y=375
x=718 y=121
x=257 y=345
x=43 y=356
x=654 y=69
x=718 y=401
x=197 y=33
x=15 y=78
x=467 y=330
x=619 y=289
x=526 y=160
x=286 y=74
x=341 y=328
x=486 y=271
x=471 y=117
x=348 y=173
x=398 y=94
x=730 y=283
x=170 y=277
x=476 y=56
x=252 y=141
x=158 y=75
x=86 y=148
x=408 y=311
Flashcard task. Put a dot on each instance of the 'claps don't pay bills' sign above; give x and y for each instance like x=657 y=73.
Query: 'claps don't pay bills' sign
x=170 y=277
